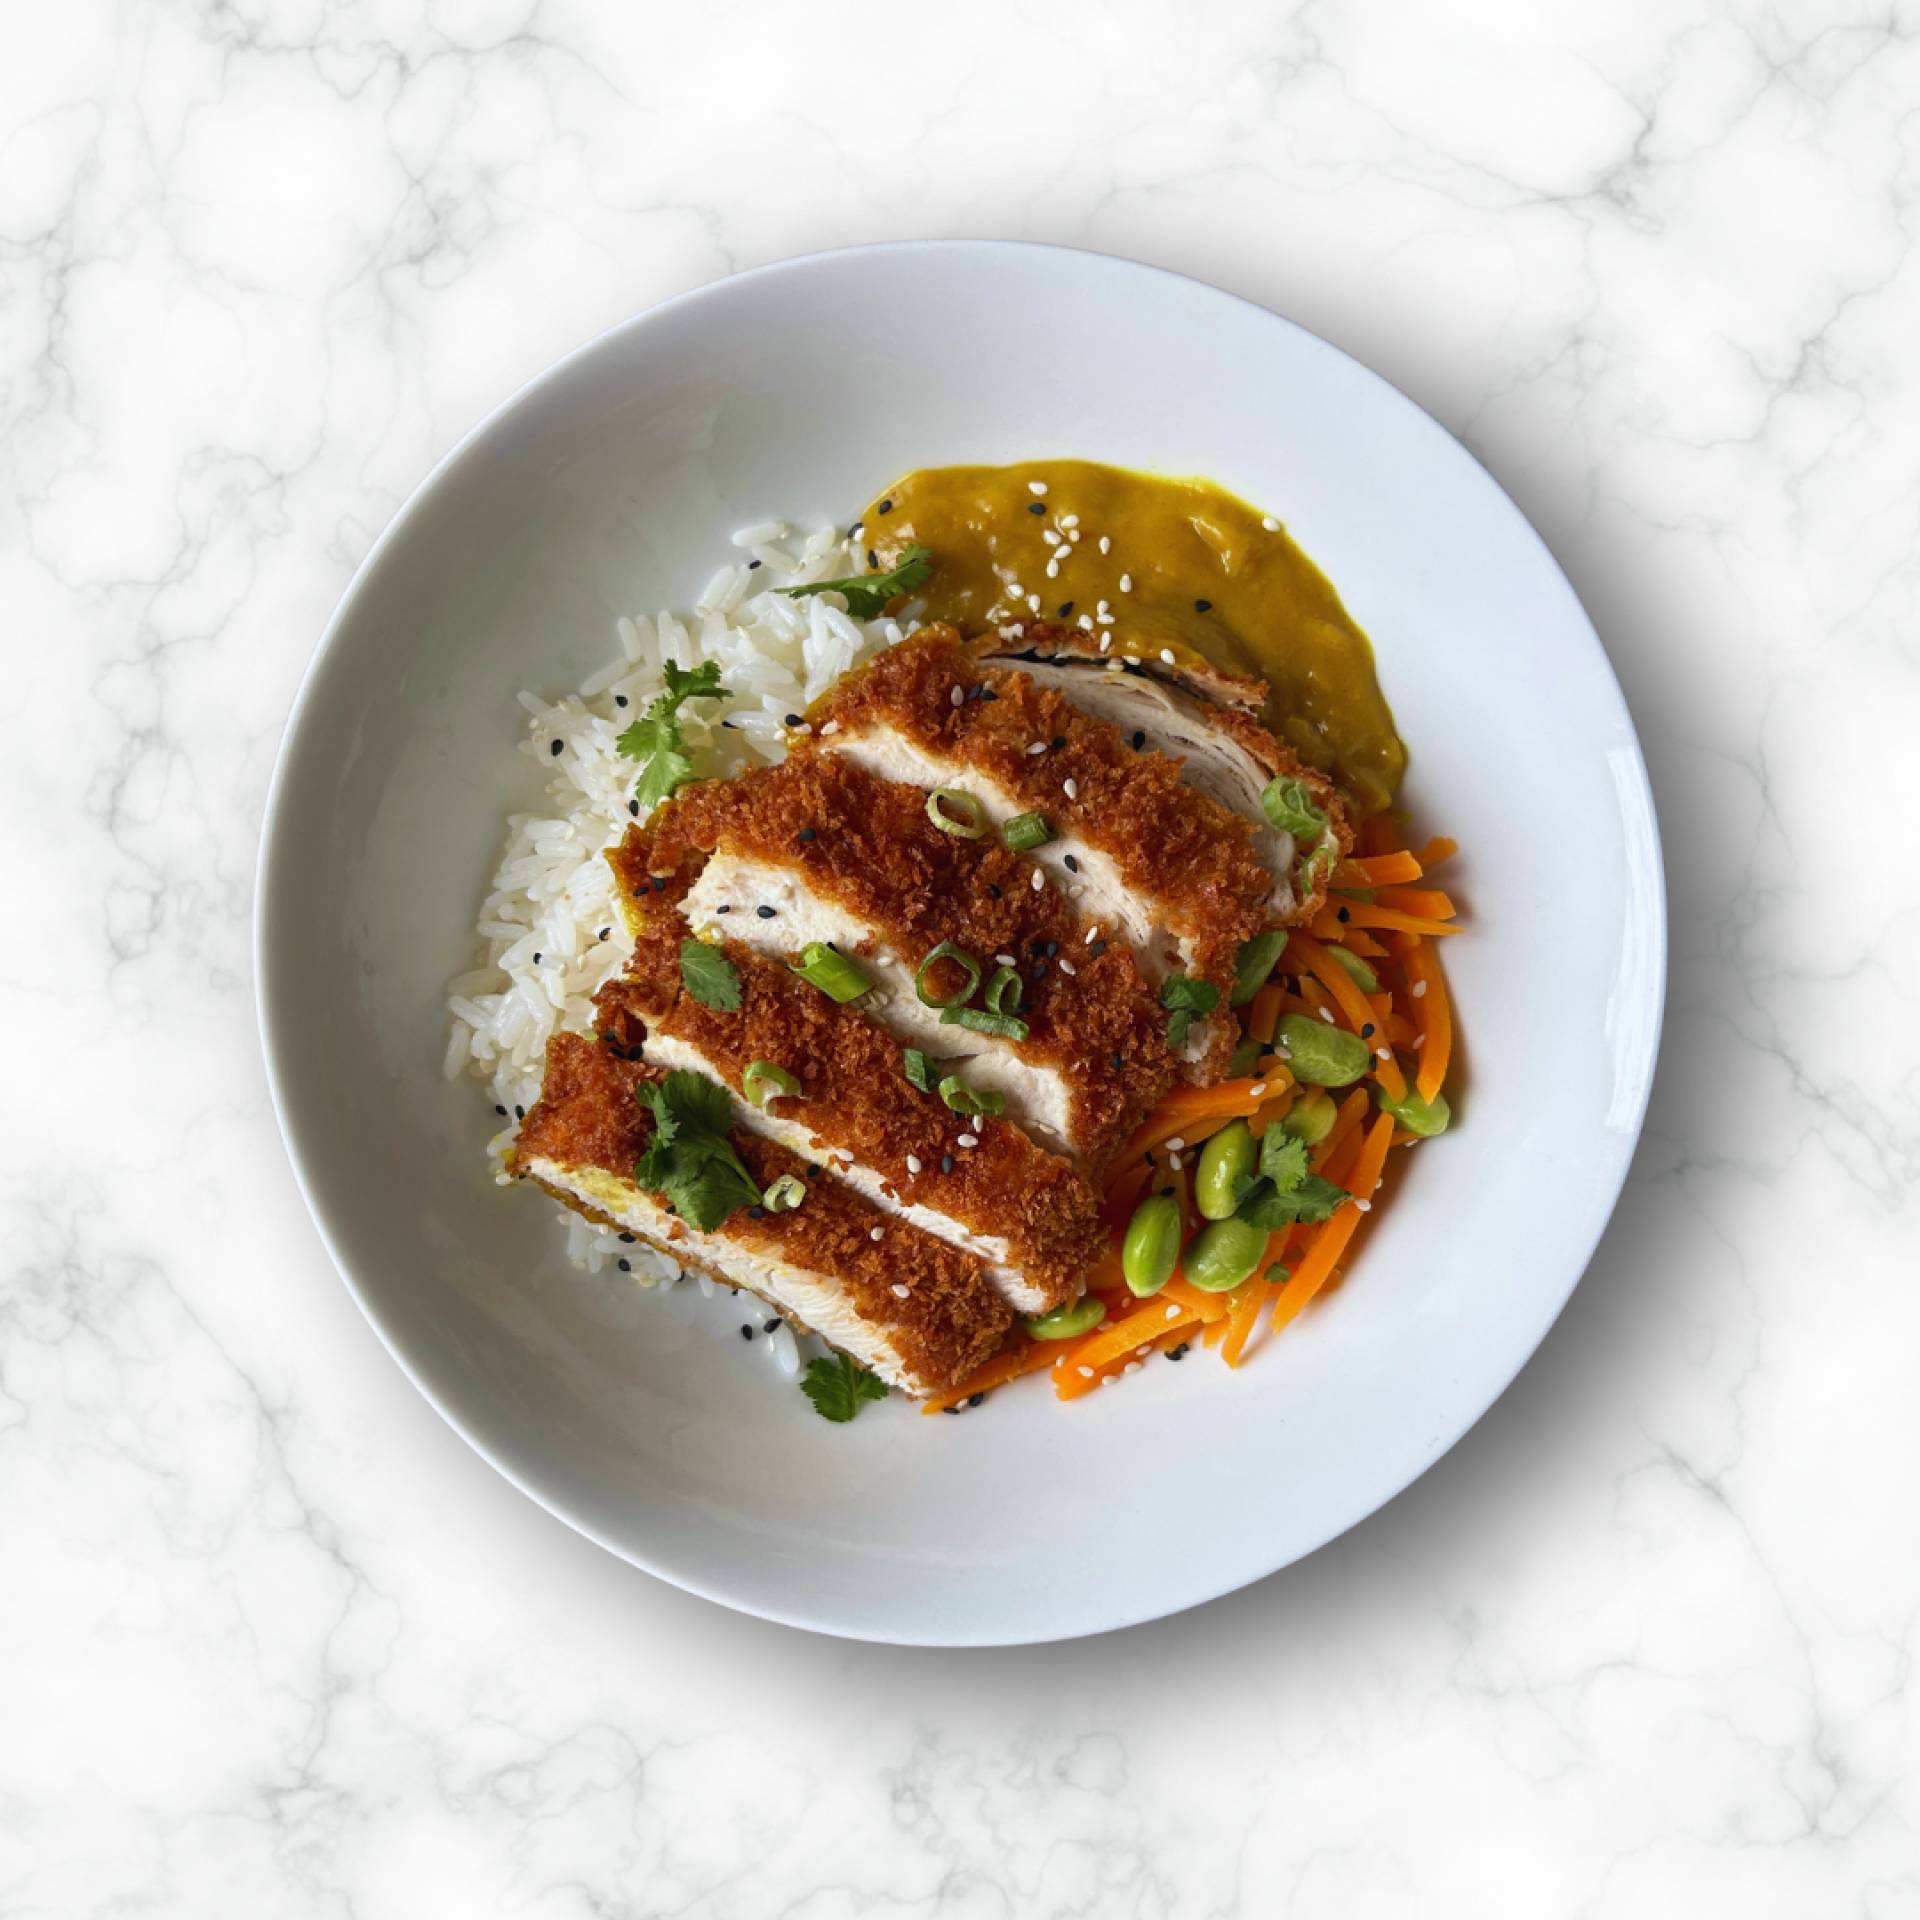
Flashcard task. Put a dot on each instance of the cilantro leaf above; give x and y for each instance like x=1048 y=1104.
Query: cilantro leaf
x=655 y=739
x=1285 y=1191
x=838 y=1388
x=709 y=976
x=1283 y=1159
x=868 y=593
x=1184 y=997
x=691 y=1158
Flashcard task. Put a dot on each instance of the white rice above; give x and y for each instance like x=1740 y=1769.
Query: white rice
x=552 y=895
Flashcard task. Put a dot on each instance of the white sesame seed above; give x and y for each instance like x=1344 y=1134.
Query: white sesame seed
x=1256 y=1090
x=1085 y=1373
x=1071 y=788
x=1105 y=619
x=1271 y=524
x=1166 y=654
x=1039 y=880
x=1053 y=569
x=1106 y=545
x=1116 y=666
x=1380 y=1053
x=1036 y=746
x=1036 y=486
x=1173 y=1313
x=1005 y=960
x=1126 y=583
x=969 y=1139
x=1101 y=608
x=1014 y=589
x=1049 y=536
x=1173 y=1160
x=1418 y=989
x=1069 y=519
x=841 y=1154
x=1364 y=1206
x=1132 y=1366
x=1419 y=1041
x=1178 y=1141
x=803 y=728
x=832 y=726
x=877 y=1233
x=1073 y=534
x=1093 y=934
x=900 y=1292
x=1085 y=622
x=1326 y=1016
x=1106 y=642
x=1066 y=967
x=913 y=1163
x=958 y=696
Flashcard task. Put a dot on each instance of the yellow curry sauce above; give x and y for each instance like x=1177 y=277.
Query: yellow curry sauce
x=1180 y=564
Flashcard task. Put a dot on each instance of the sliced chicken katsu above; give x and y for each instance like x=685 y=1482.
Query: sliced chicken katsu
x=1207 y=718
x=976 y=1182
x=1184 y=878
x=819 y=850
x=915 y=1310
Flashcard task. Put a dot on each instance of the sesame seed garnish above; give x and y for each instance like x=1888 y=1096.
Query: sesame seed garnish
x=746 y=1333
x=1066 y=967
x=900 y=1292
x=765 y=913
x=1093 y=934
x=913 y=1163
x=1106 y=641
x=1139 y=740
x=1085 y=623
x=1166 y=654
x=1173 y=1160
x=1418 y=989
x=1036 y=486
x=1106 y=545
x=832 y=726
x=1050 y=537
x=1380 y=1053
x=519 y=1112
x=793 y=719
x=1366 y=1032
x=1072 y=865
x=806 y=833
x=633 y=807
x=886 y=506
x=1173 y=1313
x=1116 y=666
x=1363 y=1206
x=1178 y=1141
x=1256 y=1090
x=1071 y=788
x=1065 y=608
x=1100 y=609
x=1069 y=519
x=946 y=1163
x=1085 y=1373
x=1342 y=915
x=957 y=697
x=969 y=1140
x=723 y=908
x=559 y=747
x=1039 y=880
x=1271 y=524
x=1326 y=1016
x=1053 y=569
x=1036 y=746
x=1203 y=606
x=877 y=1234
x=1117 y=1062
x=1132 y=1366
x=501 y=1111
x=1126 y=583
x=1036 y=507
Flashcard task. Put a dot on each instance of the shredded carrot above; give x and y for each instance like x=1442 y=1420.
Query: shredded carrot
x=1327 y=923
x=1331 y=1241
x=1381 y=870
x=1359 y=941
x=1359 y=1011
x=1352 y=1111
x=995 y=1373
x=1115 y=1342
x=1428 y=901
x=1264 y=1015
x=1436 y=850
x=1214 y=1331
x=1434 y=1012
x=1246 y=1303
x=1202 y=1305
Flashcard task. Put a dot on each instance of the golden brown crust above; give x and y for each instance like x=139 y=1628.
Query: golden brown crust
x=1194 y=859
x=855 y=1095
x=874 y=853
x=1050 y=640
x=952 y=1318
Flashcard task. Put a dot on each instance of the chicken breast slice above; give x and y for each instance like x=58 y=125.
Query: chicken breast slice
x=919 y=1313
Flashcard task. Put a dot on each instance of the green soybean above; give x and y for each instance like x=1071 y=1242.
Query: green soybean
x=1310 y=1118
x=1077 y=1316
x=1151 y=1247
x=1320 y=1055
x=1225 y=1254
x=1356 y=969
x=1418 y=1116
x=1225 y=1161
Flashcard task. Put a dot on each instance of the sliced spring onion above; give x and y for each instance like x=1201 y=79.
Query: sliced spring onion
x=960 y=957
x=785 y=1194
x=763 y=1081
x=1253 y=963
x=1290 y=807
x=832 y=972
x=919 y=1070
x=1026 y=831
x=1004 y=982
x=1002 y=1025
x=963 y=1099
x=972 y=816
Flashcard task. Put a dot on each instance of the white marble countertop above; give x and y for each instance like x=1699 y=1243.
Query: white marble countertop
x=278 y=1643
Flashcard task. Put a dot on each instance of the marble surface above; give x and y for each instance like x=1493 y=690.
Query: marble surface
x=276 y=1642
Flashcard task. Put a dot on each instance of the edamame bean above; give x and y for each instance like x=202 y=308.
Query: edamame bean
x=1422 y=1117
x=1356 y=969
x=1225 y=1161
x=1224 y=1254
x=1077 y=1316
x=1151 y=1247
x=1320 y=1055
x=1310 y=1118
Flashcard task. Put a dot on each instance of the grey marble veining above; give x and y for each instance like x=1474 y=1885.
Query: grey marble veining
x=276 y=1642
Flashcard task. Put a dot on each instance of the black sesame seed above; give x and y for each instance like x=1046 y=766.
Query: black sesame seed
x=1059 y=740
x=946 y=1163
x=746 y=1333
x=987 y=693
x=1118 y=1062
x=1035 y=506
x=626 y=1239
x=974 y=1399
x=519 y=1112
x=952 y=1409
x=501 y=1111
x=559 y=747
x=1139 y=741
x=536 y=959
x=1165 y=1192
x=793 y=719
x=752 y=565
x=725 y=909
x=873 y=559
x=604 y=931
x=1066 y=607
x=619 y=699
x=770 y=1326
x=813 y=1171
x=656 y=883
x=886 y=506
x=1073 y=865
x=756 y=1213
x=1050 y=948
x=1203 y=606
x=626 y=1266
x=765 y=913
x=633 y=807
x=806 y=833
x=1366 y=1032
x=1177 y=1353
x=1342 y=915
x=993 y=892
x=1096 y=950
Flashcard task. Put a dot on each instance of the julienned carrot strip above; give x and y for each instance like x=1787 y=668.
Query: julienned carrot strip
x=1427 y=901
x=1070 y=1382
x=1181 y=1292
x=1359 y=914
x=1215 y=1331
x=1436 y=850
x=1114 y=1342
x=1359 y=941
x=1352 y=1111
x=1331 y=1241
x=1360 y=1012
x=1264 y=1015
x=1433 y=1010
x=995 y=1373
x=1380 y=870
x=1246 y=1301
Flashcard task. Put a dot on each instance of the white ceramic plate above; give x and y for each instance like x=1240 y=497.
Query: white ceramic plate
x=611 y=485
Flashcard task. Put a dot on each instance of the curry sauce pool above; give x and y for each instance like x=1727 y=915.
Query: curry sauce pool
x=1173 y=566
